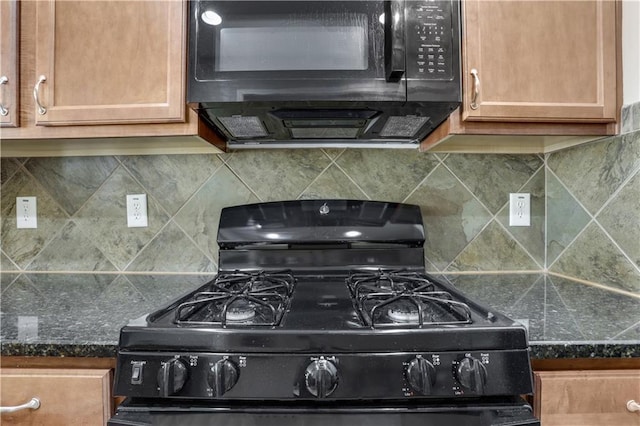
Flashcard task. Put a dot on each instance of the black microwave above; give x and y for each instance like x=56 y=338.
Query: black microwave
x=339 y=73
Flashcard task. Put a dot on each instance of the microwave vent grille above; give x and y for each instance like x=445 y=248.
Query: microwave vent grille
x=244 y=127
x=403 y=126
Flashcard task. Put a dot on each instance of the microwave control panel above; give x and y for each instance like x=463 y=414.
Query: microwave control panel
x=431 y=40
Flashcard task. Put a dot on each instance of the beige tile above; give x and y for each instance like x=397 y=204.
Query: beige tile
x=565 y=218
x=451 y=215
x=71 y=180
x=22 y=245
x=593 y=172
x=593 y=257
x=200 y=216
x=621 y=219
x=387 y=175
x=171 y=251
x=8 y=167
x=492 y=177
x=71 y=250
x=276 y=175
x=333 y=183
x=172 y=179
x=531 y=237
x=7 y=264
x=104 y=219
x=494 y=250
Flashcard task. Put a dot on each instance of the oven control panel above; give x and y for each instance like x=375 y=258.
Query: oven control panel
x=323 y=376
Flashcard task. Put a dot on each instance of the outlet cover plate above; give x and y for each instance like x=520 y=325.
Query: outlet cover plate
x=137 y=211
x=26 y=212
x=520 y=209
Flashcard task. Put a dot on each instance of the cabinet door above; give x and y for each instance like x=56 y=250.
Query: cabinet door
x=67 y=397
x=9 y=63
x=110 y=61
x=586 y=398
x=540 y=60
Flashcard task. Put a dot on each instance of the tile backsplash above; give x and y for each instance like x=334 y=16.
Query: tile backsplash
x=585 y=221
x=82 y=212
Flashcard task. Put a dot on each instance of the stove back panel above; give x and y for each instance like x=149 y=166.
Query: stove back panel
x=327 y=260
x=320 y=222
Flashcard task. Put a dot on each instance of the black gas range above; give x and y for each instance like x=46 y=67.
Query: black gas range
x=321 y=312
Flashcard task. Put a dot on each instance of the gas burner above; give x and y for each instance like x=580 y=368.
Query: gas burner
x=239 y=299
x=402 y=298
x=403 y=315
x=240 y=312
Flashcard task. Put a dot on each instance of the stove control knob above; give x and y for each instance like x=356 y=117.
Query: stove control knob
x=172 y=377
x=223 y=376
x=421 y=375
x=472 y=374
x=321 y=378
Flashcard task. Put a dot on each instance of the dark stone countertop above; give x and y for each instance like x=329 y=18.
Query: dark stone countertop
x=80 y=315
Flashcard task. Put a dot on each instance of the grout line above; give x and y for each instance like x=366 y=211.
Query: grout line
x=352 y=180
x=596 y=285
x=591 y=220
x=546 y=214
x=615 y=244
x=567 y=308
x=544 y=308
x=631 y=327
x=593 y=217
x=233 y=172
x=491 y=214
x=501 y=272
x=527 y=291
x=152 y=273
x=331 y=162
x=494 y=217
x=11 y=261
x=194 y=243
x=440 y=163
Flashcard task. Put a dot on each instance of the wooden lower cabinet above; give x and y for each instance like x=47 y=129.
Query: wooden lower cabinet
x=67 y=396
x=586 y=398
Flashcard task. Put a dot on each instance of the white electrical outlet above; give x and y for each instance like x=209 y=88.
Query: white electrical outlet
x=137 y=211
x=26 y=212
x=520 y=209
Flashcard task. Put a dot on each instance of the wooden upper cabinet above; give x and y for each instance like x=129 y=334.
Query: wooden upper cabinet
x=105 y=62
x=9 y=63
x=545 y=61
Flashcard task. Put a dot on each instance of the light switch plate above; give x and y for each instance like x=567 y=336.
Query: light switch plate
x=137 y=211
x=26 y=212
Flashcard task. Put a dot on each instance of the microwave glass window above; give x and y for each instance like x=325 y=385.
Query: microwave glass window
x=339 y=42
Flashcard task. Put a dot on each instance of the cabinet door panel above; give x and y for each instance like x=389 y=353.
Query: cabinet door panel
x=586 y=398
x=540 y=60
x=9 y=63
x=67 y=397
x=110 y=61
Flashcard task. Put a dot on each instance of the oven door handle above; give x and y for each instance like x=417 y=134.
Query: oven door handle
x=394 y=44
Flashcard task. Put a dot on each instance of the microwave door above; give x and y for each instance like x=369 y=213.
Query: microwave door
x=297 y=51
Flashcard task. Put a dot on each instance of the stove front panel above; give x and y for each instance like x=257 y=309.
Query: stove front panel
x=504 y=412
x=323 y=376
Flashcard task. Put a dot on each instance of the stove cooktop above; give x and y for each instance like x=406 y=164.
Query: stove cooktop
x=360 y=311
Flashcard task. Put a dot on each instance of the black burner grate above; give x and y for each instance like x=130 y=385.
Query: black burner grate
x=239 y=299
x=402 y=298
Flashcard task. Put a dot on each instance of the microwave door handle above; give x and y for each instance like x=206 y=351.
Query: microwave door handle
x=394 y=46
